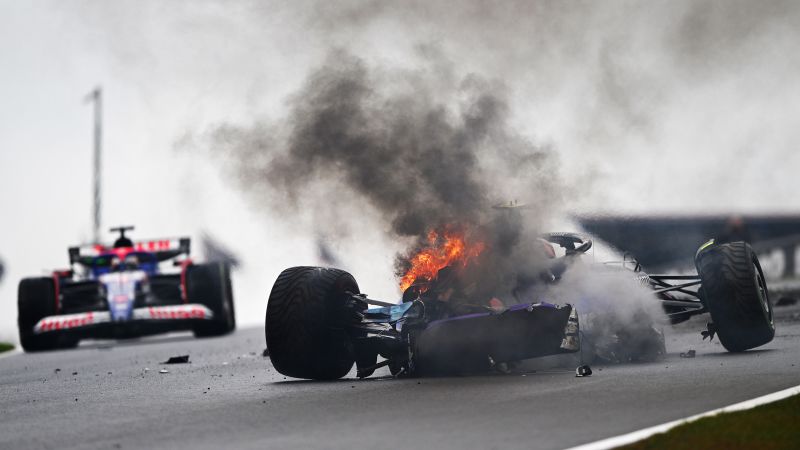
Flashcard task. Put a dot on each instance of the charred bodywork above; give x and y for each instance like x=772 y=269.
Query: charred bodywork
x=318 y=324
x=427 y=337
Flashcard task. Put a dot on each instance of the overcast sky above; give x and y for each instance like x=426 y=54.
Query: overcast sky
x=691 y=106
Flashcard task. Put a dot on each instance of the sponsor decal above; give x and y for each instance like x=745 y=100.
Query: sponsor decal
x=704 y=246
x=173 y=312
x=153 y=246
x=70 y=321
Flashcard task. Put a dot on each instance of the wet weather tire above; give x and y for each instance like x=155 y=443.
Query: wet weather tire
x=735 y=293
x=302 y=335
x=210 y=285
x=36 y=300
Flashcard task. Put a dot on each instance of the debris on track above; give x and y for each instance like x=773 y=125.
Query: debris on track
x=183 y=359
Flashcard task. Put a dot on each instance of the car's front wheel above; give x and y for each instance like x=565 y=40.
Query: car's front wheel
x=210 y=285
x=736 y=295
x=36 y=300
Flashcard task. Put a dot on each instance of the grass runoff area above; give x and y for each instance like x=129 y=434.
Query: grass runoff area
x=5 y=346
x=772 y=426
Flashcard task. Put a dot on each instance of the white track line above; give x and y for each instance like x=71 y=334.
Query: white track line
x=12 y=352
x=635 y=436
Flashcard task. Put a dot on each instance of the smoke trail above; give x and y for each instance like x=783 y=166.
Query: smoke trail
x=424 y=152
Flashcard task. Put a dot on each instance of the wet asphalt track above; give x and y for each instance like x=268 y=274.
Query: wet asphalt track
x=230 y=397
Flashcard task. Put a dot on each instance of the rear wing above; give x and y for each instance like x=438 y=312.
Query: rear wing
x=163 y=249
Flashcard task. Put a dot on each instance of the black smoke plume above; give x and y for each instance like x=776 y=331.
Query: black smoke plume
x=423 y=148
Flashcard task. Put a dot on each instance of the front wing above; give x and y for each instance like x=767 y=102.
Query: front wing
x=167 y=315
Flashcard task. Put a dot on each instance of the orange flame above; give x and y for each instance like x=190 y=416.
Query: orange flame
x=451 y=249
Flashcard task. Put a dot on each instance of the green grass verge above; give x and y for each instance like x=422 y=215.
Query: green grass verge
x=5 y=346
x=772 y=426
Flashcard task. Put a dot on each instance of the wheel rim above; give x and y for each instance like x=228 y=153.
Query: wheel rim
x=763 y=295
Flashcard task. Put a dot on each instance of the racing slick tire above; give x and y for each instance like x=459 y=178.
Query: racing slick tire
x=36 y=299
x=210 y=285
x=301 y=330
x=736 y=295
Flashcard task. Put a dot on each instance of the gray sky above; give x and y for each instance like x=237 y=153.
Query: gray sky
x=691 y=106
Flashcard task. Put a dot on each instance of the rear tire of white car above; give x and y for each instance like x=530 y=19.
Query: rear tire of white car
x=36 y=300
x=210 y=285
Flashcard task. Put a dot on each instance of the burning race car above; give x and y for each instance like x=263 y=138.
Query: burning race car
x=121 y=291
x=318 y=324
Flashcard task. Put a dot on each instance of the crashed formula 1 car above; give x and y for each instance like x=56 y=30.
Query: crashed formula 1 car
x=122 y=291
x=318 y=324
